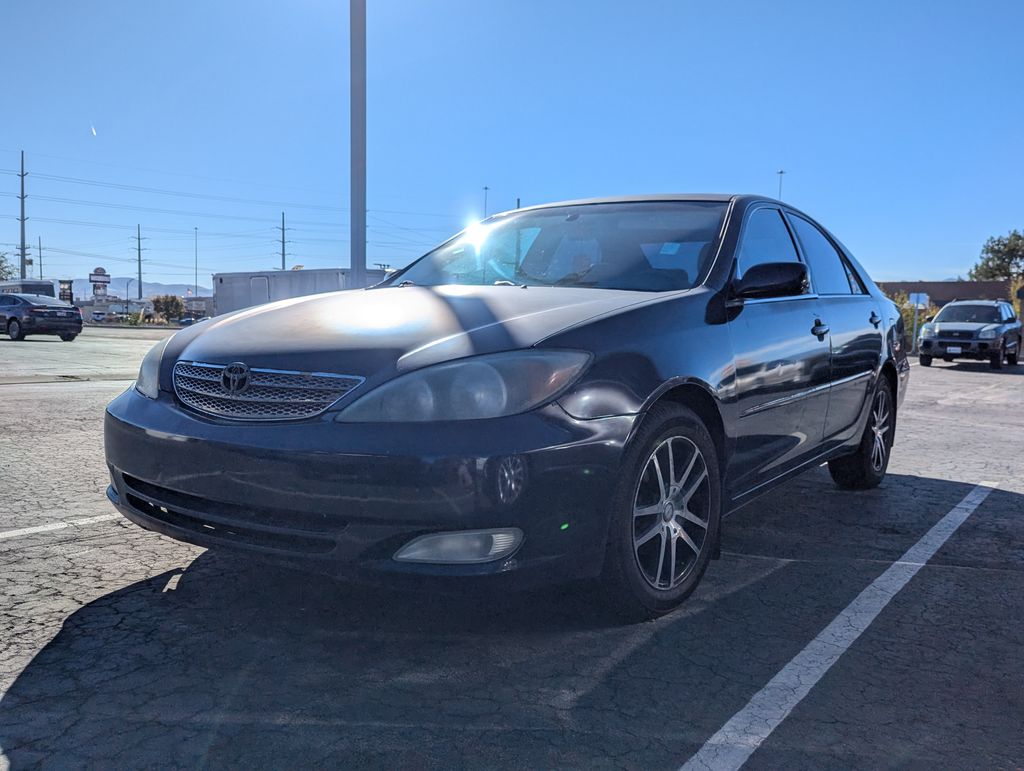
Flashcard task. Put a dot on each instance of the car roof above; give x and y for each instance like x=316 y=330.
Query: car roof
x=976 y=302
x=652 y=198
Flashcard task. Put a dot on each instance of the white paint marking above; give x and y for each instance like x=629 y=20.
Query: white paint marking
x=5 y=534
x=172 y=583
x=737 y=740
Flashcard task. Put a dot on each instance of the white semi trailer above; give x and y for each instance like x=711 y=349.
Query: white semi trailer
x=234 y=291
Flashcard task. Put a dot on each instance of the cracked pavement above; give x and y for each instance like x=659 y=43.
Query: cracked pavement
x=121 y=648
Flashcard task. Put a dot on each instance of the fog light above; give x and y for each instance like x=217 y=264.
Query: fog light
x=462 y=547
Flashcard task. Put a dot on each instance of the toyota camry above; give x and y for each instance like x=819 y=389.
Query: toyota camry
x=577 y=390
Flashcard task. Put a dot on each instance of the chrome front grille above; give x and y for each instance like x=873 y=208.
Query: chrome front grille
x=268 y=394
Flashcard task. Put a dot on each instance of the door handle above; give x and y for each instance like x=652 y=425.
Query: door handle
x=819 y=330
x=875 y=319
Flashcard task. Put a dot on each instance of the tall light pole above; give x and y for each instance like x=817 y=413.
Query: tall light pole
x=780 y=172
x=485 y=200
x=195 y=292
x=357 y=96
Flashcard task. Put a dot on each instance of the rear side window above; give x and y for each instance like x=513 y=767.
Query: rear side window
x=765 y=239
x=828 y=271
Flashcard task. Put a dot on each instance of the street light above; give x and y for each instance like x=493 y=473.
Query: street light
x=195 y=292
x=780 y=172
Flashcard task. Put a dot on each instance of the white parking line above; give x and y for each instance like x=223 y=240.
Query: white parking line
x=5 y=534
x=736 y=741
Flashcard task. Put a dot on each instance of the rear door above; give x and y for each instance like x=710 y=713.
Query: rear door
x=782 y=366
x=854 y=319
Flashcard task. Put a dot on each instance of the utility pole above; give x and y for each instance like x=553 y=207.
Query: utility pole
x=22 y=218
x=780 y=172
x=138 y=240
x=357 y=111
x=195 y=292
x=40 y=256
x=282 y=241
x=485 y=200
x=517 y=202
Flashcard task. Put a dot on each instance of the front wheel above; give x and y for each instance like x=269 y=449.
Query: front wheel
x=996 y=362
x=67 y=338
x=865 y=468
x=665 y=514
x=924 y=360
x=1012 y=358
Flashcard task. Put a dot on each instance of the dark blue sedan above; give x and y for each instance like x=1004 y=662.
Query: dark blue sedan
x=576 y=390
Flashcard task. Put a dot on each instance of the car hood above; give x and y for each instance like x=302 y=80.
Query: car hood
x=960 y=326
x=376 y=333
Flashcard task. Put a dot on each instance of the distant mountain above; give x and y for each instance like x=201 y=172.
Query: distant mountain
x=83 y=289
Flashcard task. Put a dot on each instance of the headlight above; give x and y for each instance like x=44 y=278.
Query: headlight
x=987 y=334
x=927 y=332
x=148 y=381
x=471 y=388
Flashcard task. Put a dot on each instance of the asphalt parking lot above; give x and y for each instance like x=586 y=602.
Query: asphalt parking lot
x=120 y=648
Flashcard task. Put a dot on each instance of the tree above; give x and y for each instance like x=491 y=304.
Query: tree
x=6 y=267
x=169 y=306
x=1002 y=259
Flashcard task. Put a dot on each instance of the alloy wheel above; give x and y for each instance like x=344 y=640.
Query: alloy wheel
x=880 y=415
x=671 y=513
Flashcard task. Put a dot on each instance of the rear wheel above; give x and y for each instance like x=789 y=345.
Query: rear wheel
x=866 y=467
x=14 y=330
x=924 y=360
x=996 y=362
x=665 y=514
x=67 y=338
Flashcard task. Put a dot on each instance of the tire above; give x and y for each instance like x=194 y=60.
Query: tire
x=14 y=330
x=654 y=560
x=68 y=338
x=924 y=361
x=996 y=362
x=865 y=469
x=1013 y=358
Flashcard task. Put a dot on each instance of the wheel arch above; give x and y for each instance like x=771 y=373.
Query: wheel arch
x=699 y=397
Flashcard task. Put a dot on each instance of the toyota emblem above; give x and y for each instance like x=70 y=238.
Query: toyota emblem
x=235 y=378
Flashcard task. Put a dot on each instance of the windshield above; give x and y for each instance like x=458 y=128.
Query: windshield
x=969 y=314
x=651 y=247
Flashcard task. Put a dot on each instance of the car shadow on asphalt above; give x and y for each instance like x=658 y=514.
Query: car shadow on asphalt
x=230 y=663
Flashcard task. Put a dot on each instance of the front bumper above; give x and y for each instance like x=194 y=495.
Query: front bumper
x=968 y=348
x=341 y=498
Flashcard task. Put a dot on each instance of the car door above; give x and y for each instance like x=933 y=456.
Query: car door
x=7 y=309
x=781 y=356
x=856 y=328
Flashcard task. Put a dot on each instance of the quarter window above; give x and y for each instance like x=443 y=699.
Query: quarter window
x=765 y=239
x=828 y=272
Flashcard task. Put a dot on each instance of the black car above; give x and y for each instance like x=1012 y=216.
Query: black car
x=576 y=390
x=36 y=314
x=985 y=330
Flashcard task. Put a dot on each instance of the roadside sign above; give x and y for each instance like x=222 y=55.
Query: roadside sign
x=66 y=293
x=99 y=278
x=918 y=299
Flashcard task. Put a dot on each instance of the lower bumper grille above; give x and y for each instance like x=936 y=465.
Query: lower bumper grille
x=264 y=528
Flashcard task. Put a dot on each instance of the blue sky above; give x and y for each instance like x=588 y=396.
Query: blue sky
x=900 y=124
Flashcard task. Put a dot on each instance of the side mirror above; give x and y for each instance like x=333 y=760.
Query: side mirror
x=772 y=279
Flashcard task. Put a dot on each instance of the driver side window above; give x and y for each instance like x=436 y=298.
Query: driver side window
x=765 y=238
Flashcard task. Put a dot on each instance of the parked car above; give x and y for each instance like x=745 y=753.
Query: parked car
x=972 y=329
x=35 y=314
x=575 y=390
